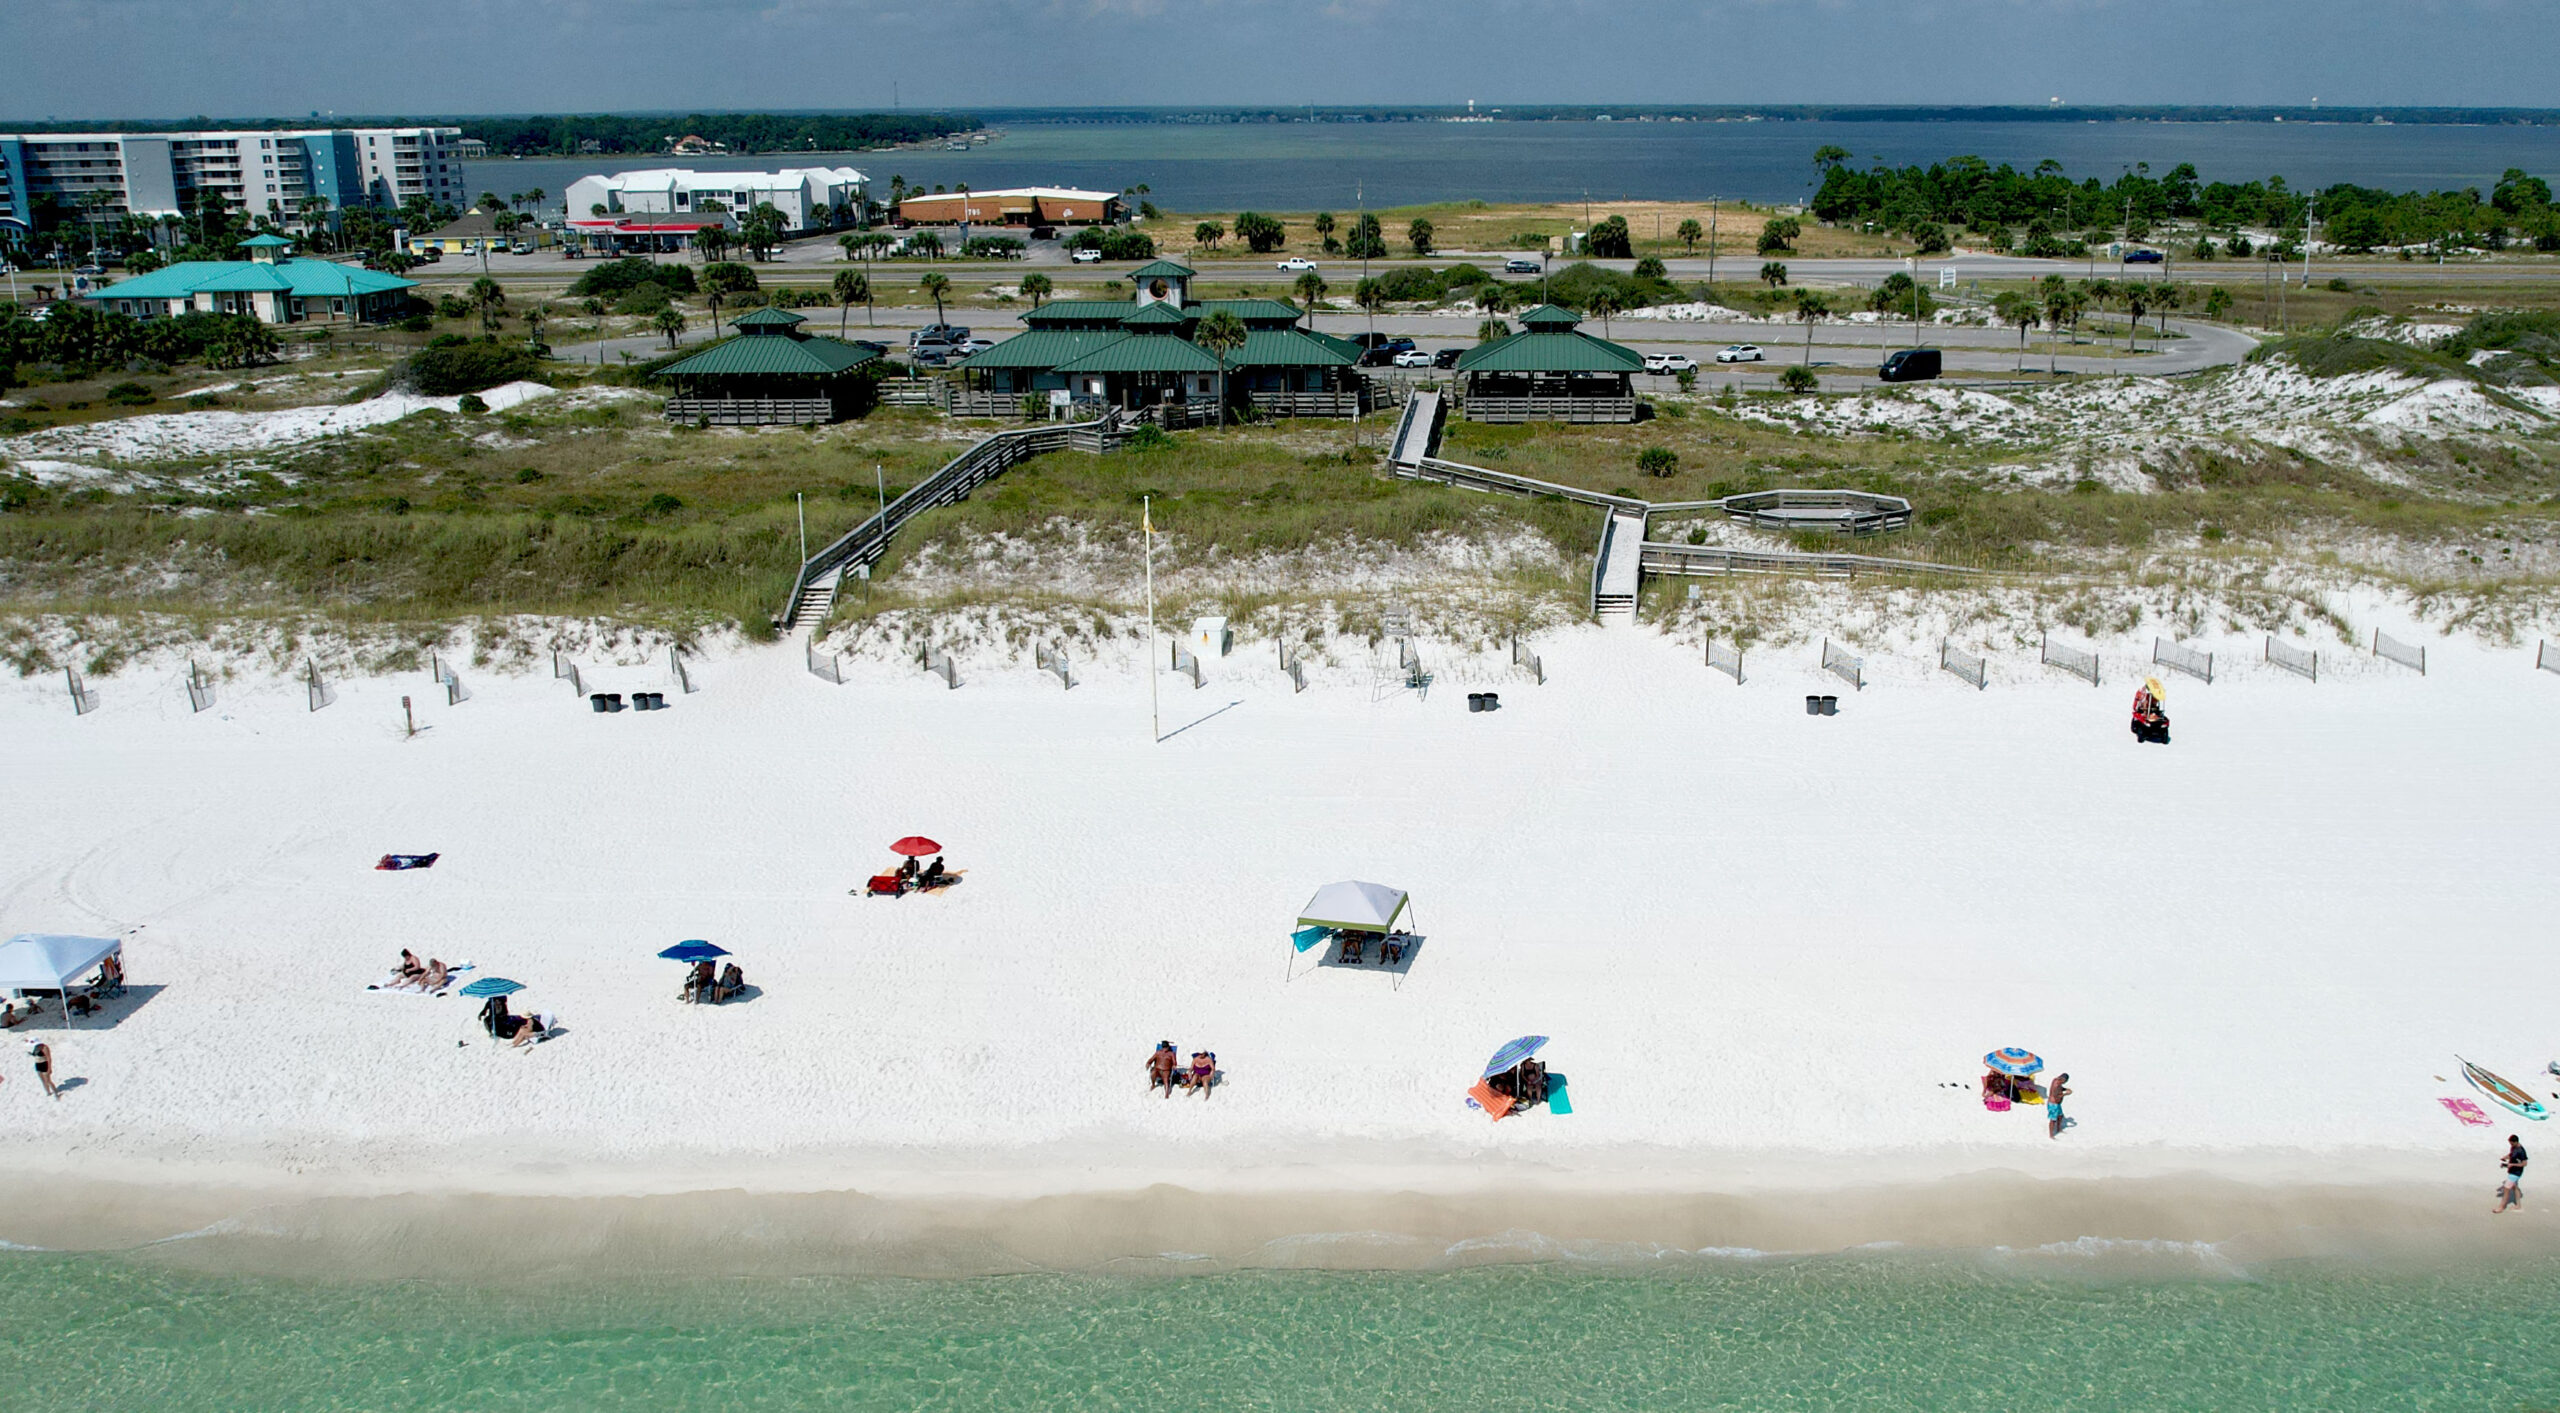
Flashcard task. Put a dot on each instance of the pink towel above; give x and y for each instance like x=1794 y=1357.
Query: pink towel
x=2466 y=1111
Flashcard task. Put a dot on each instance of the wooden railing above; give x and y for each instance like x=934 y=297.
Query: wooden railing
x=1661 y=558
x=750 y=411
x=1486 y=408
x=1311 y=404
x=1477 y=478
x=1854 y=512
x=958 y=477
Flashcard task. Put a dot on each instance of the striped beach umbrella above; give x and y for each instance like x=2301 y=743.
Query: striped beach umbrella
x=493 y=986
x=1513 y=1053
x=2014 y=1061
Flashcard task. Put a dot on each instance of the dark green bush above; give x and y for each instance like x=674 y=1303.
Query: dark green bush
x=444 y=370
x=615 y=277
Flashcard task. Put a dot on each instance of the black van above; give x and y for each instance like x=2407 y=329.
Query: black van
x=1909 y=365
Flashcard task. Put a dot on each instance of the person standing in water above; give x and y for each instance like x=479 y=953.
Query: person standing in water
x=2053 y=1096
x=2511 y=1192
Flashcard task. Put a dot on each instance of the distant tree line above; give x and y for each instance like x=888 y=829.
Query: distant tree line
x=2043 y=211
x=611 y=134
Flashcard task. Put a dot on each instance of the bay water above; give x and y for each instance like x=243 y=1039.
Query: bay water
x=1340 y=166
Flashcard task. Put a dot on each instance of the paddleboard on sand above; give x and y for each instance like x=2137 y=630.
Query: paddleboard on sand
x=2504 y=1093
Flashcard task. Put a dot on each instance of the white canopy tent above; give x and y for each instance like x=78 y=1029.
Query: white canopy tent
x=1355 y=907
x=48 y=961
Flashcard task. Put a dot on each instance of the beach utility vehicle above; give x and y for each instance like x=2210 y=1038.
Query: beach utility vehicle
x=1740 y=353
x=1669 y=363
x=1910 y=365
x=1297 y=262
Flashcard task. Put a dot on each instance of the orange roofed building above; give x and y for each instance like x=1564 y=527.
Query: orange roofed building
x=1014 y=206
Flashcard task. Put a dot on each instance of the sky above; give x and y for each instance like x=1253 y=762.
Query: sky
x=147 y=59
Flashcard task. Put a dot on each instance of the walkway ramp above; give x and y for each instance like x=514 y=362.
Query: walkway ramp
x=1417 y=438
x=1618 y=571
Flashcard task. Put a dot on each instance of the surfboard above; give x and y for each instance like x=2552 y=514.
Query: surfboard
x=2506 y=1094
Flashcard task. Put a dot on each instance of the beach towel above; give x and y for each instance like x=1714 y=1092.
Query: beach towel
x=1558 y=1101
x=2466 y=1111
x=454 y=976
x=1483 y=1097
x=395 y=863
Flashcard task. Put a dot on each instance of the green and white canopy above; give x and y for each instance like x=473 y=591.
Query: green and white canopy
x=1354 y=907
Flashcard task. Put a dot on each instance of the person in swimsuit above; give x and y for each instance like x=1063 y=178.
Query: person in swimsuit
x=2053 y=1096
x=2511 y=1191
x=1160 y=1068
x=1204 y=1071
x=44 y=1067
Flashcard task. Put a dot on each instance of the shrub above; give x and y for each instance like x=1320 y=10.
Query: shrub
x=415 y=324
x=1650 y=268
x=615 y=277
x=453 y=306
x=447 y=369
x=1610 y=239
x=1263 y=233
x=1798 y=379
x=470 y=402
x=727 y=277
x=1657 y=461
x=642 y=300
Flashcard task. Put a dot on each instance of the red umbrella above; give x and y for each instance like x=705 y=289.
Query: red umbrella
x=915 y=846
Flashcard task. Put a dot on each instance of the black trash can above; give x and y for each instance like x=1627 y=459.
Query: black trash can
x=1475 y=701
x=1493 y=701
x=596 y=701
x=1830 y=706
x=1813 y=705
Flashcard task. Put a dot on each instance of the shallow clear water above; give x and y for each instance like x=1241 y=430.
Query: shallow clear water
x=1865 y=1330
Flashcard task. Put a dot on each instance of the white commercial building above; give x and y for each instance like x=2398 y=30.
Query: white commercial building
x=605 y=205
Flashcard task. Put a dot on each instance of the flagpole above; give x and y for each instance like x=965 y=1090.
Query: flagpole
x=1147 y=529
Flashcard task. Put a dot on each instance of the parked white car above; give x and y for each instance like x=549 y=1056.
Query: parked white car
x=1414 y=358
x=1088 y=257
x=1297 y=262
x=1669 y=363
x=1740 y=353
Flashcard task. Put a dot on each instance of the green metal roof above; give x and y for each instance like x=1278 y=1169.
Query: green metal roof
x=1162 y=268
x=261 y=242
x=1080 y=313
x=767 y=354
x=768 y=317
x=1145 y=353
x=1161 y=312
x=1537 y=352
x=1547 y=316
x=1043 y=348
x=1257 y=312
x=314 y=279
x=1293 y=348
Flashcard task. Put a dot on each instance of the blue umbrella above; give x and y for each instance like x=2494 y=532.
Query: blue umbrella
x=493 y=986
x=2014 y=1061
x=695 y=950
x=1513 y=1053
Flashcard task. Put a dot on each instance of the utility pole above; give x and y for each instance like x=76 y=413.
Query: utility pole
x=1712 y=203
x=2311 y=216
x=1147 y=532
x=882 y=478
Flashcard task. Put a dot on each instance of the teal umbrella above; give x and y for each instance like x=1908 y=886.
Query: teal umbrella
x=493 y=986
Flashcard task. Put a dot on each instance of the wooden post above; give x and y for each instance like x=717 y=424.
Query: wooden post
x=407 y=717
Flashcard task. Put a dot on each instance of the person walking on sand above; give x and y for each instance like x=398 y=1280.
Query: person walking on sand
x=2053 y=1096
x=2511 y=1192
x=44 y=1067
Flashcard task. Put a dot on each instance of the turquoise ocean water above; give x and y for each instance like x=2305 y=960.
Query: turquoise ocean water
x=1863 y=1330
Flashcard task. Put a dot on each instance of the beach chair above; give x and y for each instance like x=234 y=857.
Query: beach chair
x=1496 y=1106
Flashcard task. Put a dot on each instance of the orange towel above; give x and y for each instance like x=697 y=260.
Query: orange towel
x=1494 y=1104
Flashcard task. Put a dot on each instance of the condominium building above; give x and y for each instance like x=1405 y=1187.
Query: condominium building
x=262 y=173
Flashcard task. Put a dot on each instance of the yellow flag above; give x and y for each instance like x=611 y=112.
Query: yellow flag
x=1147 y=521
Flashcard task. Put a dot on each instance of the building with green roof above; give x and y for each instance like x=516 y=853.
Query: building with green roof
x=1550 y=371
x=1144 y=353
x=271 y=285
x=772 y=372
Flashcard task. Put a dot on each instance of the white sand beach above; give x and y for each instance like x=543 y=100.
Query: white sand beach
x=1764 y=944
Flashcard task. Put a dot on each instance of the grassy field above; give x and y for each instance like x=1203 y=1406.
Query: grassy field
x=1495 y=227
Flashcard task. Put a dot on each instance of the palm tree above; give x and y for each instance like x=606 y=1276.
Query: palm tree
x=1371 y=296
x=2137 y=300
x=2166 y=296
x=2099 y=292
x=2021 y=310
x=1311 y=289
x=1773 y=274
x=1208 y=233
x=1222 y=333
x=852 y=288
x=670 y=321
x=533 y=321
x=490 y=299
x=1493 y=298
x=2054 y=293
x=1605 y=302
x=936 y=287
x=1810 y=306
x=1037 y=287
x=1690 y=233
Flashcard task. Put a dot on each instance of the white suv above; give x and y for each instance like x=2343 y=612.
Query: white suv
x=1670 y=363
